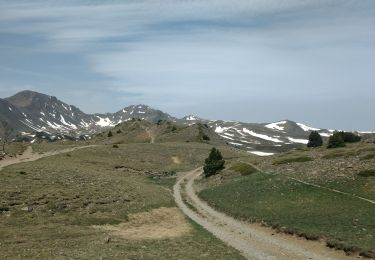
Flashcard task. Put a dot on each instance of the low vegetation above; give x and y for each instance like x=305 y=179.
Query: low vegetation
x=339 y=138
x=243 y=168
x=297 y=208
x=367 y=173
x=50 y=208
x=292 y=159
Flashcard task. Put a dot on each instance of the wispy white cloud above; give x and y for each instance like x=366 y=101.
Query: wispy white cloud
x=173 y=54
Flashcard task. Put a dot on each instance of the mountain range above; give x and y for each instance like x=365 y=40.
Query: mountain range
x=30 y=113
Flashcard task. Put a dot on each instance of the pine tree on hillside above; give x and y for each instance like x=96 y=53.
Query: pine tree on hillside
x=315 y=140
x=110 y=134
x=336 y=140
x=213 y=163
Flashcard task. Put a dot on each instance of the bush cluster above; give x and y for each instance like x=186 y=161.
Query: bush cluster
x=214 y=163
x=339 y=138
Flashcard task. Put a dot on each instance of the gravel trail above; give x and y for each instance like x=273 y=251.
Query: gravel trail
x=252 y=240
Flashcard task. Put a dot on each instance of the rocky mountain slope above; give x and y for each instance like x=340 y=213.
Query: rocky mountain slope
x=30 y=114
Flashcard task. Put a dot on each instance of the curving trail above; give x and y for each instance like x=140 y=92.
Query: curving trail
x=253 y=241
x=29 y=156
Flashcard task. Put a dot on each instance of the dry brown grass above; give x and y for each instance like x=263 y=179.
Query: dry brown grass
x=158 y=223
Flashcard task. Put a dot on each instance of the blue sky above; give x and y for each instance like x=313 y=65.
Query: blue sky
x=311 y=61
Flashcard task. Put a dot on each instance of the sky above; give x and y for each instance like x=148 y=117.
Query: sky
x=311 y=61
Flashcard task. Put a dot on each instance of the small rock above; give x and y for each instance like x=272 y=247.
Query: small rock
x=27 y=208
x=107 y=240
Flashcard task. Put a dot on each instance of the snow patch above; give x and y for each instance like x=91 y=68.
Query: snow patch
x=237 y=144
x=261 y=136
x=104 y=122
x=10 y=109
x=307 y=128
x=220 y=129
x=261 y=153
x=227 y=137
x=66 y=123
x=300 y=141
x=191 y=118
x=276 y=125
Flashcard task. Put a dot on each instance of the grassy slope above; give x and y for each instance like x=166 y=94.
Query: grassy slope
x=298 y=208
x=70 y=193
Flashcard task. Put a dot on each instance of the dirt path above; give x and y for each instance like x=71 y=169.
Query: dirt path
x=252 y=240
x=29 y=156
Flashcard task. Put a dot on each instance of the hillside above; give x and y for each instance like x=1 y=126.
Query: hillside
x=141 y=131
x=319 y=194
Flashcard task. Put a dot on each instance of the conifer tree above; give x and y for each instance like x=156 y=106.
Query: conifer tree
x=315 y=140
x=213 y=163
x=336 y=140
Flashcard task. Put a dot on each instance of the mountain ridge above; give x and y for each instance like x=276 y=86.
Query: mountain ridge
x=28 y=112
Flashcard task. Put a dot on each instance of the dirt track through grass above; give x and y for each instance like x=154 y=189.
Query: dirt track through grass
x=252 y=240
x=29 y=156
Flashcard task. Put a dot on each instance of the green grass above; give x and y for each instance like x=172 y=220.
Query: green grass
x=297 y=208
x=368 y=156
x=66 y=195
x=292 y=159
x=339 y=153
x=243 y=168
x=14 y=148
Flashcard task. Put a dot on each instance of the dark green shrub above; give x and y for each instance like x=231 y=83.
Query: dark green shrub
x=206 y=137
x=315 y=140
x=214 y=163
x=119 y=131
x=110 y=134
x=336 y=140
x=349 y=137
x=115 y=146
x=367 y=173
x=174 y=128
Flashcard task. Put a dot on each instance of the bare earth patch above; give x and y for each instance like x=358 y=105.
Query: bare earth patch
x=176 y=160
x=159 y=223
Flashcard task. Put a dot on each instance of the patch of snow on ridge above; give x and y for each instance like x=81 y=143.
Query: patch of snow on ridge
x=104 y=122
x=307 y=128
x=191 y=118
x=237 y=144
x=66 y=123
x=261 y=136
x=220 y=129
x=227 y=137
x=300 y=141
x=53 y=125
x=325 y=134
x=10 y=109
x=276 y=125
x=261 y=153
